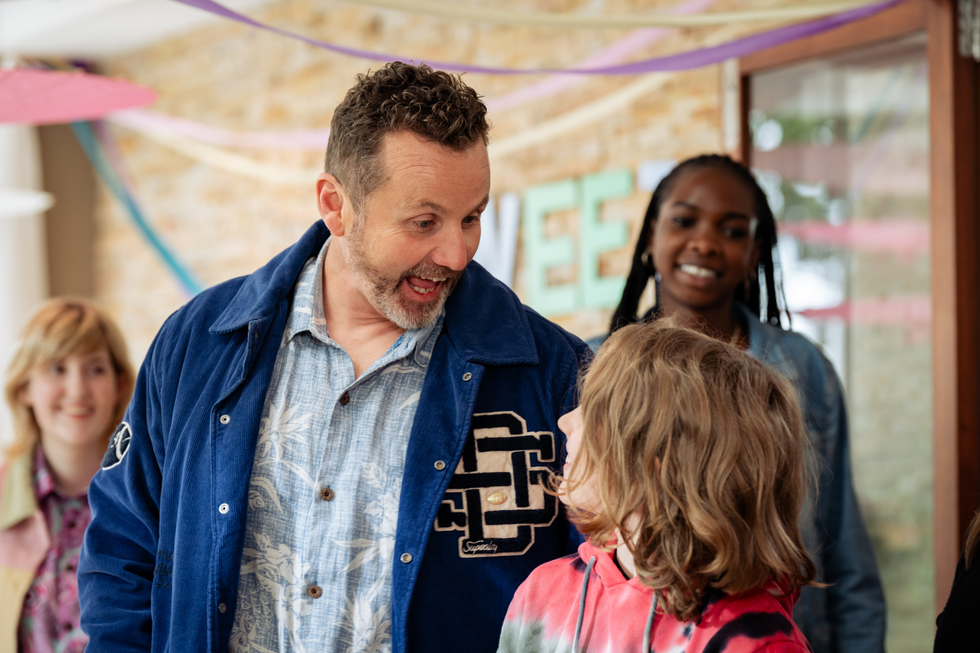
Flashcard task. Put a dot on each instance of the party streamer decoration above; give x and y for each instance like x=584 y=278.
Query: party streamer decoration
x=682 y=61
x=235 y=163
x=113 y=180
x=149 y=122
x=542 y=132
x=614 y=53
x=580 y=117
x=583 y=21
x=316 y=139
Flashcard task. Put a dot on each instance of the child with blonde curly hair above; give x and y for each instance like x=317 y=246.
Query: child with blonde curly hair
x=686 y=472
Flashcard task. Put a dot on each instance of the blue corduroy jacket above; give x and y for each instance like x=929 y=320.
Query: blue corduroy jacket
x=160 y=565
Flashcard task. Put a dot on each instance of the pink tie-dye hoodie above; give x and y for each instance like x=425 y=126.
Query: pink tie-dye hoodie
x=583 y=604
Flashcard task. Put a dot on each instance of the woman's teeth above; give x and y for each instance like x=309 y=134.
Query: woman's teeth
x=698 y=271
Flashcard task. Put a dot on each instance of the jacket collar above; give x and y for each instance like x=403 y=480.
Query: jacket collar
x=484 y=319
x=17 y=501
x=764 y=344
x=263 y=289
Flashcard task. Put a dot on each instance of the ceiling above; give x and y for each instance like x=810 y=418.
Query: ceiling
x=96 y=29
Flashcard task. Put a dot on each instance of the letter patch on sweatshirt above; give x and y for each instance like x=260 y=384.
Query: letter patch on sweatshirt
x=496 y=497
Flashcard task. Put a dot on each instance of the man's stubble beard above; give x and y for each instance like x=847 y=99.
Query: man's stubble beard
x=384 y=292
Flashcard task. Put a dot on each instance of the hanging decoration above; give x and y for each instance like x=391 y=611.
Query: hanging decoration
x=42 y=97
x=495 y=16
x=148 y=122
x=113 y=178
x=570 y=121
x=145 y=122
x=681 y=61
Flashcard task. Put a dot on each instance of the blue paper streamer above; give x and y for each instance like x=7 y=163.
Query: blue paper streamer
x=96 y=155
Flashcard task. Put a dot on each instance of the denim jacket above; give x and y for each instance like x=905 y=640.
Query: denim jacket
x=160 y=565
x=849 y=615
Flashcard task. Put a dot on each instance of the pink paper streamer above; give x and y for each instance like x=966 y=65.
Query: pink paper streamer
x=301 y=139
x=904 y=237
x=616 y=52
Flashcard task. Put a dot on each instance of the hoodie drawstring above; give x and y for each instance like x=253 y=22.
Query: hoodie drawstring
x=581 y=604
x=649 y=628
x=581 y=611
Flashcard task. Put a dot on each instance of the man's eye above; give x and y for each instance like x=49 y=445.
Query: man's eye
x=424 y=224
x=471 y=219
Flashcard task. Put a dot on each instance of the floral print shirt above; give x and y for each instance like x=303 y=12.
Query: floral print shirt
x=49 y=621
x=325 y=486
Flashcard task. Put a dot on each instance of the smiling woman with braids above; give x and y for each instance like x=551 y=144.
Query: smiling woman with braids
x=709 y=239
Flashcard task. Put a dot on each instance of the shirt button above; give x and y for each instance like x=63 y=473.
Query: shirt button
x=406 y=558
x=326 y=494
x=439 y=465
x=345 y=399
x=224 y=419
x=223 y=508
x=314 y=591
x=222 y=608
x=467 y=376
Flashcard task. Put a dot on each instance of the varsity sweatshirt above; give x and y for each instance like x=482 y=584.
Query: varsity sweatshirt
x=583 y=604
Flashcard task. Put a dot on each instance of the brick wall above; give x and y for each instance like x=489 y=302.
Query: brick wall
x=223 y=225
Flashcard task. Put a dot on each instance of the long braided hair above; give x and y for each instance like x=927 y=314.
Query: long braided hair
x=765 y=235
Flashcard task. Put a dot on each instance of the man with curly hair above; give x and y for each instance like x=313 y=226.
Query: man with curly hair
x=345 y=450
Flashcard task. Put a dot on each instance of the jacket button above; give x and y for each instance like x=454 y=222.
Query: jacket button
x=224 y=419
x=467 y=376
x=223 y=508
x=345 y=399
x=314 y=591
x=439 y=465
x=406 y=558
x=222 y=608
x=326 y=494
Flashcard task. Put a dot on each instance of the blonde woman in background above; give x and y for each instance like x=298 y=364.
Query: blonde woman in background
x=67 y=386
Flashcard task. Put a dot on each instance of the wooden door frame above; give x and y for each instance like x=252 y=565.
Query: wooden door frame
x=954 y=106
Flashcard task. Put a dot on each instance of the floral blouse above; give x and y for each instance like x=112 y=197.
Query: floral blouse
x=49 y=621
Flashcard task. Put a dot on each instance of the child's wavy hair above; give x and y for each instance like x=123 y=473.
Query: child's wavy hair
x=697 y=454
x=59 y=328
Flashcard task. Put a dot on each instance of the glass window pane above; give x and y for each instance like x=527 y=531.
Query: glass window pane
x=841 y=145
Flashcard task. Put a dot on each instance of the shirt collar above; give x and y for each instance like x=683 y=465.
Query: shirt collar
x=307 y=314
x=43 y=483
x=484 y=319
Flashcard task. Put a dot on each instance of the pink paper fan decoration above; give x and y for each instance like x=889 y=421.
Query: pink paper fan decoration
x=41 y=97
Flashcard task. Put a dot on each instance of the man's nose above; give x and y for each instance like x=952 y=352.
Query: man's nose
x=451 y=252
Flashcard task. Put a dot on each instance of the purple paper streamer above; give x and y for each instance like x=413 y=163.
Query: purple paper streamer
x=681 y=61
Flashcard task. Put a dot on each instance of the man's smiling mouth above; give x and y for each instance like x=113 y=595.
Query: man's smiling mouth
x=425 y=291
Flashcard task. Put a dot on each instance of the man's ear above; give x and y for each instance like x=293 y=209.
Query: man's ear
x=330 y=201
